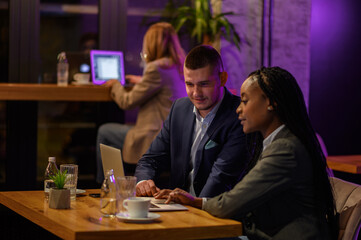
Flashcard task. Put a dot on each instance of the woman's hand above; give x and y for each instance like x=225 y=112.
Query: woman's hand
x=180 y=196
x=133 y=78
x=110 y=83
x=162 y=194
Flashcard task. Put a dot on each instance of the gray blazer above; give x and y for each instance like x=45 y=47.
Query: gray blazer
x=277 y=194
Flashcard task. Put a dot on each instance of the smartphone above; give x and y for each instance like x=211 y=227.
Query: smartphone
x=94 y=195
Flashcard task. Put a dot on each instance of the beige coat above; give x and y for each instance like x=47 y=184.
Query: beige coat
x=161 y=84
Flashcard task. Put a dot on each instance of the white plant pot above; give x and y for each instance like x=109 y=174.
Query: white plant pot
x=59 y=198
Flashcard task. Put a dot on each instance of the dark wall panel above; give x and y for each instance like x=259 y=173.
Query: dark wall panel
x=335 y=91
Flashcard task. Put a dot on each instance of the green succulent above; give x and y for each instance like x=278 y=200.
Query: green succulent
x=59 y=179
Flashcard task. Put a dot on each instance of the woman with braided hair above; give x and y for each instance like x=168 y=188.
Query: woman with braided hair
x=286 y=193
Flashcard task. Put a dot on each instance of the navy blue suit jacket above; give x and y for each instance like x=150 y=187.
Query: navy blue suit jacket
x=221 y=156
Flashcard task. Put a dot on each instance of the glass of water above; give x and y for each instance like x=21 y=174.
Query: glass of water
x=71 y=178
x=125 y=189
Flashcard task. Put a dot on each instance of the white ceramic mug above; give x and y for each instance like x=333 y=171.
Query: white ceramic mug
x=81 y=78
x=137 y=207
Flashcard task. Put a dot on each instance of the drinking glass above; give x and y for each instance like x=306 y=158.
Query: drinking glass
x=125 y=189
x=71 y=178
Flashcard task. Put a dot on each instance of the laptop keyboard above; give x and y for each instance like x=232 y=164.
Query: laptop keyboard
x=153 y=206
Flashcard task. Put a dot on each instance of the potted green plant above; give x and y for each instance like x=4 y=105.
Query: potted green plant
x=197 y=18
x=59 y=197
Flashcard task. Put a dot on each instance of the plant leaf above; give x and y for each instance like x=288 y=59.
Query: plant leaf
x=59 y=179
x=180 y=24
x=196 y=18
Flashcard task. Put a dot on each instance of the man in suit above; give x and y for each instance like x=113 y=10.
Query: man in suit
x=202 y=142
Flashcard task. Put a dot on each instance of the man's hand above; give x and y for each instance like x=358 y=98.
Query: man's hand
x=146 y=188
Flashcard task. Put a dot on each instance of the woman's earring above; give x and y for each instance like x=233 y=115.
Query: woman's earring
x=269 y=108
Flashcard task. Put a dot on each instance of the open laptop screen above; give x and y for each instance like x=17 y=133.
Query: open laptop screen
x=107 y=65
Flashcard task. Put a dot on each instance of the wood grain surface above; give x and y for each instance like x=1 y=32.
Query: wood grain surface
x=84 y=221
x=52 y=92
x=347 y=163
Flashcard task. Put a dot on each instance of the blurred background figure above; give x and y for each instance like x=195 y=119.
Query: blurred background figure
x=88 y=41
x=154 y=92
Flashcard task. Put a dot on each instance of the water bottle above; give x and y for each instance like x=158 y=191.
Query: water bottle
x=63 y=70
x=50 y=170
x=108 y=200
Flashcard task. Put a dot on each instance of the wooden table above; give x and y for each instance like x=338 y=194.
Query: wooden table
x=51 y=92
x=84 y=221
x=21 y=124
x=347 y=163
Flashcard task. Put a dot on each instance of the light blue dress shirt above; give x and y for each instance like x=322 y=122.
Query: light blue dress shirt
x=200 y=129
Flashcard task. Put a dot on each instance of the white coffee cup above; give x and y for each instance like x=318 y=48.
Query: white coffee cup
x=81 y=78
x=137 y=207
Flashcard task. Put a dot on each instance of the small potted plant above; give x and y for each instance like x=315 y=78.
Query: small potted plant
x=59 y=197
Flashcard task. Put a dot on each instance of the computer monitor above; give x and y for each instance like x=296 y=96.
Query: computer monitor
x=107 y=65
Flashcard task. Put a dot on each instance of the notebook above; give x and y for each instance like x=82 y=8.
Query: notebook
x=107 y=65
x=112 y=159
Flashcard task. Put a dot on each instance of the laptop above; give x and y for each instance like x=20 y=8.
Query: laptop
x=107 y=65
x=112 y=159
x=158 y=205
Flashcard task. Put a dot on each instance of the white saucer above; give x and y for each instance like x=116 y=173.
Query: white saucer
x=125 y=217
x=80 y=191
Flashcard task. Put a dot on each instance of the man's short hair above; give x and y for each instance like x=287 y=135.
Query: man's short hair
x=202 y=56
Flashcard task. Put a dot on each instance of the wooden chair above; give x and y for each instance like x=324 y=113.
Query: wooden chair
x=348 y=205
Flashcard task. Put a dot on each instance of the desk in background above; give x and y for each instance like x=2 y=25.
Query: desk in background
x=21 y=124
x=51 y=92
x=347 y=163
x=84 y=221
